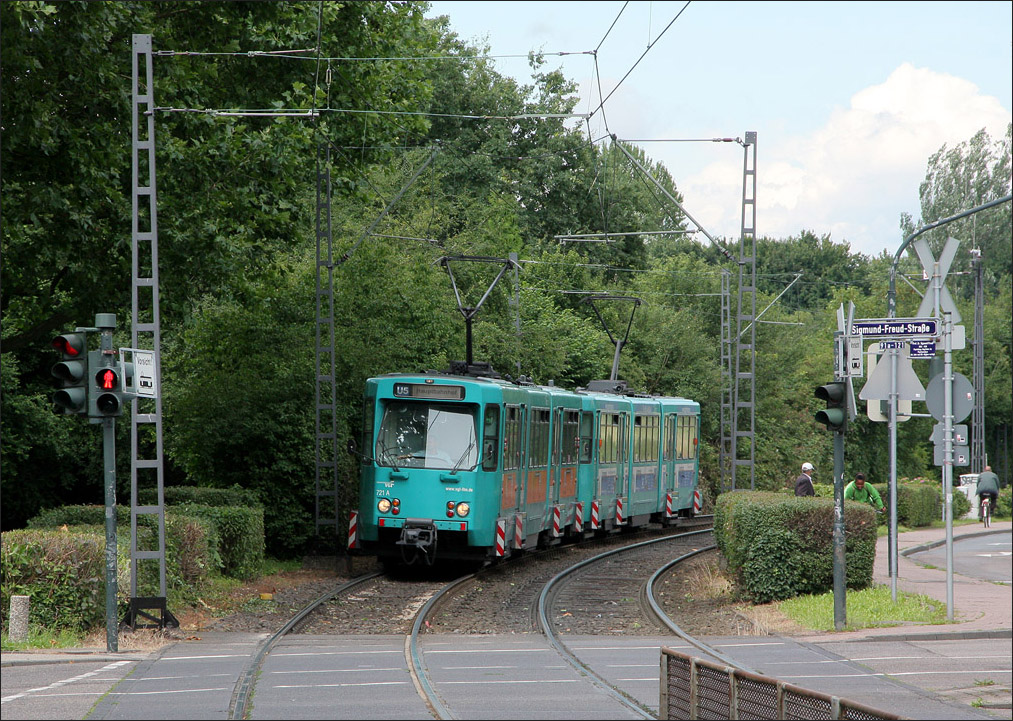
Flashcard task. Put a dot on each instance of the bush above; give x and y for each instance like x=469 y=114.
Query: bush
x=1004 y=505
x=917 y=502
x=777 y=547
x=191 y=546
x=179 y=495
x=63 y=572
x=240 y=534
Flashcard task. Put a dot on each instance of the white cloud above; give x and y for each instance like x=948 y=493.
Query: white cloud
x=854 y=176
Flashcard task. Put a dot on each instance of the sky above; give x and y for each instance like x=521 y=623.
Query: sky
x=848 y=99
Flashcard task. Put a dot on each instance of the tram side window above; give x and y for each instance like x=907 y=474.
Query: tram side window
x=610 y=438
x=490 y=439
x=569 y=447
x=586 y=432
x=368 y=416
x=670 y=437
x=512 y=440
x=645 y=439
x=539 y=438
x=686 y=444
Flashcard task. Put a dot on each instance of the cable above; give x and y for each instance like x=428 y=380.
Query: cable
x=651 y=45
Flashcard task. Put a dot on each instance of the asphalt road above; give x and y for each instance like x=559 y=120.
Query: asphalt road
x=989 y=558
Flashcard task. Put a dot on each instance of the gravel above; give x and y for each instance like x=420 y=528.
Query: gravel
x=503 y=600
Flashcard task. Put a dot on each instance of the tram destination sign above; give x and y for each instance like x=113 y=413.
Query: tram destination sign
x=895 y=327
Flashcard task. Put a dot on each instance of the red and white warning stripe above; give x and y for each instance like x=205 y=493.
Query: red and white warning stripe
x=578 y=517
x=518 y=531
x=619 y=511
x=697 y=505
x=668 y=505
x=555 y=522
x=353 y=529
x=500 y=536
x=594 y=515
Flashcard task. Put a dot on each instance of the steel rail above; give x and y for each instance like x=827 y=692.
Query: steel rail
x=549 y=589
x=419 y=674
x=672 y=626
x=243 y=691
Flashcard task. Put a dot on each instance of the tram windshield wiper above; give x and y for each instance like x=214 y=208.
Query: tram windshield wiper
x=388 y=457
x=464 y=455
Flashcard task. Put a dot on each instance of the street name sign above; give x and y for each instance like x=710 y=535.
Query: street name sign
x=895 y=327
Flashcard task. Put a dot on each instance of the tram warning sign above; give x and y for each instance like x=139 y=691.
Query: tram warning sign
x=895 y=327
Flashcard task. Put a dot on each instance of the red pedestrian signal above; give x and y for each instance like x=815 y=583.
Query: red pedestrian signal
x=106 y=393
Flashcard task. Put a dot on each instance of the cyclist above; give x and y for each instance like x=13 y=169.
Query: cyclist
x=988 y=486
x=859 y=490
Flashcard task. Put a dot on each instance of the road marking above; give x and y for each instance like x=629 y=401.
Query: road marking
x=58 y=684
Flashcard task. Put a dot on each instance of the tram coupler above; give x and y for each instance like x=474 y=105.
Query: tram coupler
x=419 y=533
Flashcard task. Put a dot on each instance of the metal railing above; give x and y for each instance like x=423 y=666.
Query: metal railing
x=692 y=688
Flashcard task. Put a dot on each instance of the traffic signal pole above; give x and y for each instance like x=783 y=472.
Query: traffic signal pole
x=106 y=323
x=835 y=418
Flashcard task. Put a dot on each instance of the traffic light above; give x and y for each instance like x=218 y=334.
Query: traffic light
x=106 y=397
x=72 y=370
x=835 y=416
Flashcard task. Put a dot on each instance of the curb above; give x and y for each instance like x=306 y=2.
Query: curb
x=27 y=660
x=936 y=544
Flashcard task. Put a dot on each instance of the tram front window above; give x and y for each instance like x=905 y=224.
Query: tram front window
x=427 y=435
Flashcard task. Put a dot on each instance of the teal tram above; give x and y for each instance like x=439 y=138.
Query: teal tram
x=466 y=466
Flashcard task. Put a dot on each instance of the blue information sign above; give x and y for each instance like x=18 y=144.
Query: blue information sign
x=923 y=349
x=894 y=327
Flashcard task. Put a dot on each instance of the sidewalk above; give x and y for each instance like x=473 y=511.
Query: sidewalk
x=981 y=609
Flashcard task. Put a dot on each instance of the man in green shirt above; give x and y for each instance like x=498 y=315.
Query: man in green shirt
x=859 y=490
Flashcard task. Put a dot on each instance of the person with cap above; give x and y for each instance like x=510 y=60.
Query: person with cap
x=804 y=483
x=859 y=490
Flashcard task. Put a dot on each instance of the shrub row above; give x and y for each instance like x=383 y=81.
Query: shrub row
x=62 y=571
x=777 y=547
x=200 y=538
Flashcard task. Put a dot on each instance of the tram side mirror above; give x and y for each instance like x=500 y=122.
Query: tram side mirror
x=352 y=447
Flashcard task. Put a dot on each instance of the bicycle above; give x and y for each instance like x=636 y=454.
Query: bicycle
x=985 y=511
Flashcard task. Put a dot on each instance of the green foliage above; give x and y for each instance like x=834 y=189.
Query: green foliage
x=917 y=502
x=961 y=505
x=178 y=495
x=778 y=546
x=240 y=534
x=1004 y=504
x=239 y=280
x=62 y=572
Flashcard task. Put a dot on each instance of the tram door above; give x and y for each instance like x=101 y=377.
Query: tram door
x=613 y=451
x=668 y=477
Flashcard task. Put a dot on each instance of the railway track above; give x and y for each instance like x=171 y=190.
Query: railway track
x=550 y=592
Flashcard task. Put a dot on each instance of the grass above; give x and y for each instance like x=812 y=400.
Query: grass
x=44 y=637
x=868 y=608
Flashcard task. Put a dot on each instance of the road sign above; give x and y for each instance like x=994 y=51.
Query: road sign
x=856 y=368
x=923 y=349
x=946 y=304
x=962 y=394
x=961 y=455
x=895 y=327
x=145 y=378
x=877 y=387
x=959 y=435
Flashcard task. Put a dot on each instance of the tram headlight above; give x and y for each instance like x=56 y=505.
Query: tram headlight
x=463 y=509
x=383 y=506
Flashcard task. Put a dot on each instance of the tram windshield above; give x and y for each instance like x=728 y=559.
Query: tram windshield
x=427 y=435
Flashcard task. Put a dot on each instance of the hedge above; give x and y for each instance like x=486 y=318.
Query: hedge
x=179 y=495
x=63 y=572
x=240 y=532
x=777 y=547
